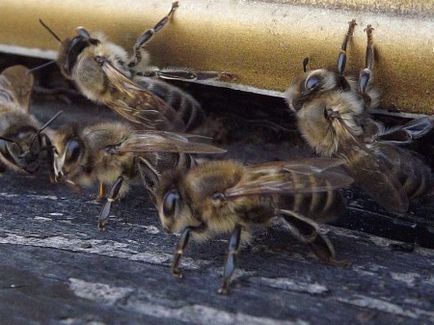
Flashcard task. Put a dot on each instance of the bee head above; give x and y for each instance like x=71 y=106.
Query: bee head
x=172 y=202
x=70 y=50
x=20 y=149
x=70 y=152
x=310 y=85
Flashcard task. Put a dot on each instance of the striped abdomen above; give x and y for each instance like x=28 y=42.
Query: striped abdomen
x=187 y=107
x=410 y=170
x=318 y=206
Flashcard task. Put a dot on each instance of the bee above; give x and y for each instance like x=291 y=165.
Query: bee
x=219 y=197
x=23 y=145
x=115 y=153
x=333 y=115
x=105 y=73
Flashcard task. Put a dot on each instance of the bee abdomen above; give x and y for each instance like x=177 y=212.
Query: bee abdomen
x=187 y=107
x=419 y=183
x=320 y=206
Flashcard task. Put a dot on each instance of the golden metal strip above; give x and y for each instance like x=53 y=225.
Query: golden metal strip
x=264 y=42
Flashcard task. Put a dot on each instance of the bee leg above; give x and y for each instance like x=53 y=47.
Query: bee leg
x=189 y=75
x=149 y=176
x=147 y=36
x=46 y=145
x=101 y=191
x=307 y=231
x=342 y=58
x=365 y=77
x=182 y=243
x=105 y=212
x=231 y=259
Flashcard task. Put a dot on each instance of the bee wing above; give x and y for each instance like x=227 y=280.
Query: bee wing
x=161 y=141
x=139 y=105
x=408 y=132
x=371 y=171
x=302 y=166
x=16 y=87
x=289 y=178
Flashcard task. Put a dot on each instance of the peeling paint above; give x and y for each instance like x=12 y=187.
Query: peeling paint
x=56 y=214
x=152 y=230
x=30 y=196
x=408 y=278
x=98 y=291
x=196 y=314
x=42 y=218
x=101 y=247
x=292 y=285
x=385 y=306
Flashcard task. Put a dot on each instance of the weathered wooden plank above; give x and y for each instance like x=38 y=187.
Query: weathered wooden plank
x=57 y=268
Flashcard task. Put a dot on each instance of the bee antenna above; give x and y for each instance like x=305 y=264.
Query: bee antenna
x=50 y=31
x=7 y=139
x=42 y=128
x=51 y=120
x=43 y=65
x=305 y=63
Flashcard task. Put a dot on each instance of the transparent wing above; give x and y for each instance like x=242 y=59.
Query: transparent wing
x=371 y=171
x=303 y=176
x=139 y=105
x=162 y=141
x=16 y=87
x=405 y=134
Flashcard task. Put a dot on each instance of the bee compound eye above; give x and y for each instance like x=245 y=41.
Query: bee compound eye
x=218 y=196
x=312 y=82
x=73 y=150
x=170 y=203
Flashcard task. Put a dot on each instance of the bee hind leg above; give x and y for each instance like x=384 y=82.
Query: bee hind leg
x=114 y=195
x=231 y=259
x=185 y=74
x=342 y=57
x=148 y=34
x=307 y=232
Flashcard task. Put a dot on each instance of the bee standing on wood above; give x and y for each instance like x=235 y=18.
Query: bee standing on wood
x=219 y=197
x=333 y=115
x=115 y=153
x=105 y=73
x=22 y=142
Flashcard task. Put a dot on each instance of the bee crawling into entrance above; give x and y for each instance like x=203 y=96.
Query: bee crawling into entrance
x=219 y=197
x=333 y=115
x=105 y=73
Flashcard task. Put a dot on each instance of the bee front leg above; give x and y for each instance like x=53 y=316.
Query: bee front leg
x=342 y=58
x=182 y=243
x=114 y=195
x=180 y=247
x=231 y=259
x=148 y=34
x=365 y=77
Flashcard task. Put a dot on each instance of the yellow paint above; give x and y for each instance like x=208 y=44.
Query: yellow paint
x=264 y=42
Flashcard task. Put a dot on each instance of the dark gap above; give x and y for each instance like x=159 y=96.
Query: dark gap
x=257 y=128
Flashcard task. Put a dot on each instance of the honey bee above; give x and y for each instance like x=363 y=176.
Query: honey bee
x=333 y=114
x=219 y=197
x=105 y=73
x=115 y=153
x=23 y=145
